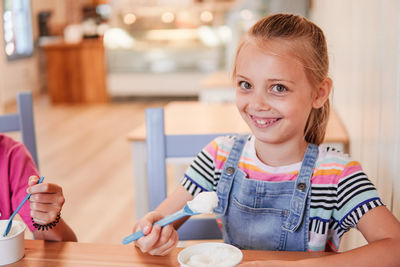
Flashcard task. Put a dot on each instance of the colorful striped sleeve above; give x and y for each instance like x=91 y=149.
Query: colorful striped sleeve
x=205 y=170
x=356 y=195
x=200 y=176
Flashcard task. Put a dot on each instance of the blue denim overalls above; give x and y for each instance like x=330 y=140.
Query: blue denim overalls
x=265 y=215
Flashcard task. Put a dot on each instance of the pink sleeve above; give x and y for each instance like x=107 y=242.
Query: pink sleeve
x=21 y=168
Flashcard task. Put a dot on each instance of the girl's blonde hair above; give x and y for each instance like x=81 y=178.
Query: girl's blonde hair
x=306 y=41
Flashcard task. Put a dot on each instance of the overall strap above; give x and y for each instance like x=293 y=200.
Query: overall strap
x=302 y=190
x=225 y=183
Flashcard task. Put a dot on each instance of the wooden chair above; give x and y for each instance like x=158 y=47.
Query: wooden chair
x=160 y=147
x=23 y=122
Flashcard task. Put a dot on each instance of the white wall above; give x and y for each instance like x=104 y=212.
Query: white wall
x=364 y=48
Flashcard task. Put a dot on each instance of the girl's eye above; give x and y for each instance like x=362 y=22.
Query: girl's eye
x=279 y=88
x=245 y=85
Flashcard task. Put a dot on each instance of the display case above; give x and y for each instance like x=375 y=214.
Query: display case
x=164 y=50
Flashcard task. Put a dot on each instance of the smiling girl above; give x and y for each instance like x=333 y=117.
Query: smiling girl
x=279 y=188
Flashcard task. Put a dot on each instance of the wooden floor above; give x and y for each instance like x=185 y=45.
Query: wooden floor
x=85 y=150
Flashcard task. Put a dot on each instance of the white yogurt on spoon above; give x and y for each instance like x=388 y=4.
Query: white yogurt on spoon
x=205 y=202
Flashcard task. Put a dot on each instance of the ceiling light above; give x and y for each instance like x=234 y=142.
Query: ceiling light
x=167 y=17
x=206 y=16
x=246 y=14
x=129 y=18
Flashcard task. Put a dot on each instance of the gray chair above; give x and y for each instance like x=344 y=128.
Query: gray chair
x=160 y=147
x=23 y=122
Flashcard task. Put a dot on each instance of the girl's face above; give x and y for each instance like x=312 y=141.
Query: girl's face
x=273 y=94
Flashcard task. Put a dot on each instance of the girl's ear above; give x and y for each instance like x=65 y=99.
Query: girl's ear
x=322 y=93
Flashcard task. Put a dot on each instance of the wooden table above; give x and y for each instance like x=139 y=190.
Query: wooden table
x=40 y=253
x=192 y=117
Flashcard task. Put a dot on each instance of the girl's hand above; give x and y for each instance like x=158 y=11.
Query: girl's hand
x=46 y=200
x=157 y=240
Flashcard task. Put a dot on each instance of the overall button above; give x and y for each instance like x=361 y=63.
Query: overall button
x=301 y=186
x=230 y=170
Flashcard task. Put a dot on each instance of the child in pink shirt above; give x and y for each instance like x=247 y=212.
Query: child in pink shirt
x=19 y=175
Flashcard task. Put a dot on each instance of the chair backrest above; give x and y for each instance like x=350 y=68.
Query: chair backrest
x=23 y=122
x=160 y=147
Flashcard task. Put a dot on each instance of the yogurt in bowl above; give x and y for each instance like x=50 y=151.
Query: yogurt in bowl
x=12 y=245
x=210 y=254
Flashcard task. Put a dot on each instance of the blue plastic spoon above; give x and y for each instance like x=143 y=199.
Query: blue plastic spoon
x=186 y=211
x=9 y=224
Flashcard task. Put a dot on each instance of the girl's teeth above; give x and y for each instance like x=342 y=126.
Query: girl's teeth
x=262 y=122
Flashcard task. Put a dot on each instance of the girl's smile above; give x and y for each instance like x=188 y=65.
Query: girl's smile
x=263 y=122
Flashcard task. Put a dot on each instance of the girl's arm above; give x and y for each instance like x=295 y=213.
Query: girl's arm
x=160 y=241
x=382 y=231
x=176 y=201
x=61 y=232
x=46 y=203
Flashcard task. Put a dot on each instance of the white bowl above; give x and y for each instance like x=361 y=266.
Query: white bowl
x=210 y=254
x=12 y=246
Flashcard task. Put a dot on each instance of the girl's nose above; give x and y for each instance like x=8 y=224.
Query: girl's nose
x=260 y=100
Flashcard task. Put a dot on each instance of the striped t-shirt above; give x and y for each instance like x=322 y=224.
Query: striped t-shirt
x=340 y=191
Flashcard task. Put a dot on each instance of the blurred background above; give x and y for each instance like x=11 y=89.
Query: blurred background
x=94 y=66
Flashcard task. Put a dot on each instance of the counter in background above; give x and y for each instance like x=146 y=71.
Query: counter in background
x=76 y=72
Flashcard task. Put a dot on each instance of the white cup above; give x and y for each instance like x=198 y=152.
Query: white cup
x=231 y=256
x=11 y=247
